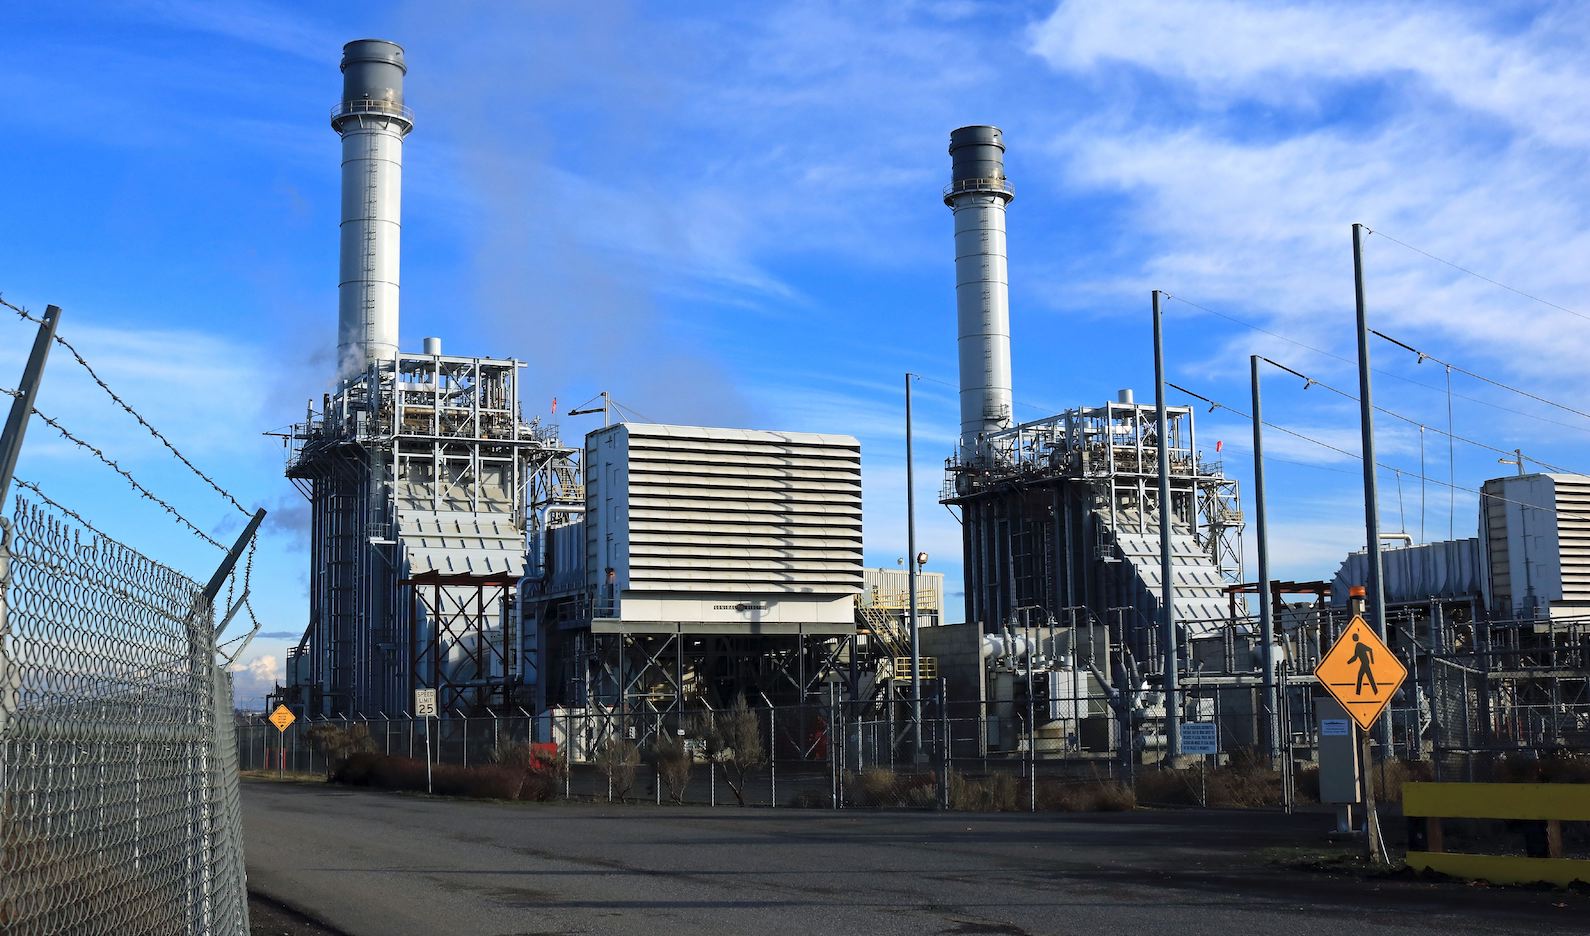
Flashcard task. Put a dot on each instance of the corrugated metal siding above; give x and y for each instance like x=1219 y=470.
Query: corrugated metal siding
x=741 y=510
x=1446 y=569
x=458 y=542
x=1494 y=513
x=1198 y=592
x=1573 y=535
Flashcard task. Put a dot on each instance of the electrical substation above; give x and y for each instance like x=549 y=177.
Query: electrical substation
x=651 y=571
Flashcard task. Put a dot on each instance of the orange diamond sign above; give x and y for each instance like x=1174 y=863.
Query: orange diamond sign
x=282 y=718
x=1361 y=672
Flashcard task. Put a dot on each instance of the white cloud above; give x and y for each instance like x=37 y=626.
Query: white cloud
x=252 y=679
x=1295 y=53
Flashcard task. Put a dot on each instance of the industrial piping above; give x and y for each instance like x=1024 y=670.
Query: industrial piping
x=372 y=121
x=978 y=193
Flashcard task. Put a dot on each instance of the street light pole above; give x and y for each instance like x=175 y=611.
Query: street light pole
x=910 y=537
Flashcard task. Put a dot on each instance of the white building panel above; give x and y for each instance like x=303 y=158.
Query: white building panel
x=731 y=526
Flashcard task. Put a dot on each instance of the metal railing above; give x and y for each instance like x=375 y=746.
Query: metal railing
x=372 y=107
x=963 y=186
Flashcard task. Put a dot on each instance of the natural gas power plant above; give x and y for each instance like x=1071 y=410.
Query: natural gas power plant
x=654 y=570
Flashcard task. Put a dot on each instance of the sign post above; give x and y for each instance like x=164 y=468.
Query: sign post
x=425 y=708
x=1362 y=674
x=283 y=719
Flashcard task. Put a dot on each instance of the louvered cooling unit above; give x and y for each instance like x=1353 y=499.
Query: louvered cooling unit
x=749 y=531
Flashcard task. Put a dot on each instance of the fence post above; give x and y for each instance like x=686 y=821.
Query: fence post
x=772 y=757
x=10 y=682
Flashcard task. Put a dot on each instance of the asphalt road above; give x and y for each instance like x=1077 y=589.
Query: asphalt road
x=376 y=863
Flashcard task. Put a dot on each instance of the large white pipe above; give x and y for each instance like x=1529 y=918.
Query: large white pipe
x=977 y=194
x=372 y=121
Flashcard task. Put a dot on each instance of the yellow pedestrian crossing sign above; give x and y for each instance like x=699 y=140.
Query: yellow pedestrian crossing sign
x=282 y=718
x=1361 y=672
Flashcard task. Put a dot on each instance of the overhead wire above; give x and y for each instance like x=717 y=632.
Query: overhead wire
x=1384 y=373
x=1479 y=276
x=1315 y=382
x=1426 y=356
x=1482 y=495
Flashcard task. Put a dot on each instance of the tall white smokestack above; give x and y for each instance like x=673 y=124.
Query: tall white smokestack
x=977 y=193
x=373 y=122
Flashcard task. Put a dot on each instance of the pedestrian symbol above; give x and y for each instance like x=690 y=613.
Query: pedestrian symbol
x=1361 y=672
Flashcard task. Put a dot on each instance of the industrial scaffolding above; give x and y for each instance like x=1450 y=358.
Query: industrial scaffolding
x=1061 y=515
x=419 y=475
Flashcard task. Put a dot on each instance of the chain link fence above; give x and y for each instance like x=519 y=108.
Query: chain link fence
x=824 y=755
x=119 y=809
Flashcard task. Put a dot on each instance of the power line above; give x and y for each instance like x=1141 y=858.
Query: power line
x=1384 y=373
x=1313 y=382
x=1425 y=356
x=1359 y=457
x=1479 y=276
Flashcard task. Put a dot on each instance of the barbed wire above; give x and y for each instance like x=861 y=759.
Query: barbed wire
x=83 y=362
x=114 y=466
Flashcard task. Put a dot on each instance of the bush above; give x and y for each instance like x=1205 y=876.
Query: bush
x=734 y=740
x=672 y=759
x=357 y=769
x=336 y=743
x=537 y=782
x=1390 y=775
x=617 y=760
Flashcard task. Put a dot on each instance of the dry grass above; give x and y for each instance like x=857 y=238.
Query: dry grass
x=998 y=792
x=1095 y=795
x=1555 y=767
x=882 y=788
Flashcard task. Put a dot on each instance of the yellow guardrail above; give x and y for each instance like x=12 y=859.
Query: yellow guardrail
x=1551 y=803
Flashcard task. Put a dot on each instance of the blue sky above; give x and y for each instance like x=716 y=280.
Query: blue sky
x=731 y=216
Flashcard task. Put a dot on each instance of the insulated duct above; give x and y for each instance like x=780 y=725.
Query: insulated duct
x=977 y=194
x=372 y=121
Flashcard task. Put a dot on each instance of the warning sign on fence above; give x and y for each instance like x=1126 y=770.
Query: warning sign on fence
x=282 y=718
x=1361 y=672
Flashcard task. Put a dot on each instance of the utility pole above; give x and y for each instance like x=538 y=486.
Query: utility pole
x=1366 y=416
x=1167 y=588
x=910 y=538
x=1266 y=612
